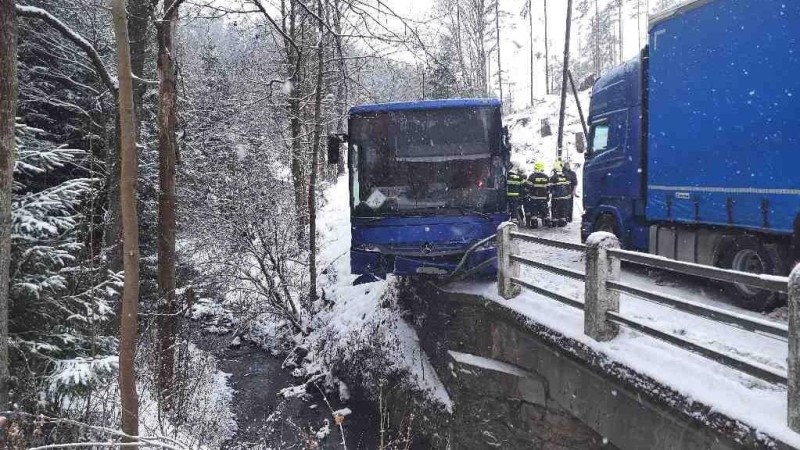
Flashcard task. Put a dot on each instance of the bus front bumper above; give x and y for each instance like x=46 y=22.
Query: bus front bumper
x=380 y=264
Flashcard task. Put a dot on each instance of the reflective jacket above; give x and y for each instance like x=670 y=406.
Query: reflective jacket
x=514 y=185
x=538 y=186
x=560 y=186
x=572 y=177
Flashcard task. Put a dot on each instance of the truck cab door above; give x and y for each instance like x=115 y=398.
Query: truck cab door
x=606 y=167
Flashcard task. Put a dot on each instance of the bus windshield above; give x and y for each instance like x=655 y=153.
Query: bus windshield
x=426 y=162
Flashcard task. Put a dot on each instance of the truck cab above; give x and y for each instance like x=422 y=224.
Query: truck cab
x=614 y=198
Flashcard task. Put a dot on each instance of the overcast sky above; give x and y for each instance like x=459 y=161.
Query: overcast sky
x=515 y=39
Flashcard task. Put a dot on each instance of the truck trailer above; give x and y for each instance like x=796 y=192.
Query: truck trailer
x=693 y=146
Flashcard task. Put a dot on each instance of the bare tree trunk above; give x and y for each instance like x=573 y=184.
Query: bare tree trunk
x=639 y=22
x=315 y=145
x=140 y=15
x=460 y=51
x=130 y=225
x=499 y=64
x=479 y=37
x=598 y=68
x=295 y=61
x=167 y=203
x=559 y=147
x=530 y=31
x=8 y=111
x=621 y=30
x=546 y=52
x=342 y=93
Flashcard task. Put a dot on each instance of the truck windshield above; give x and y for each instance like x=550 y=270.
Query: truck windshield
x=426 y=162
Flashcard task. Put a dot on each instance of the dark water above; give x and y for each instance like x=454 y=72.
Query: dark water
x=267 y=420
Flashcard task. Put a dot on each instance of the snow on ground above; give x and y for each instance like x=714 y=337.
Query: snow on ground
x=359 y=323
x=206 y=417
x=208 y=420
x=754 y=402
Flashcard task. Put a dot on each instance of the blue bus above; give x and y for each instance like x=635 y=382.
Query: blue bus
x=427 y=186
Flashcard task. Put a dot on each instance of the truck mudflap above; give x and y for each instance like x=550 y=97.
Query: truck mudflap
x=796 y=241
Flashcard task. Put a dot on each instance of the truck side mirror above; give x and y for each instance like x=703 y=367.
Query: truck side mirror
x=580 y=142
x=334 y=147
x=506 y=144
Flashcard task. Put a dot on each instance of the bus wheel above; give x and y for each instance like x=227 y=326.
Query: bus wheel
x=747 y=254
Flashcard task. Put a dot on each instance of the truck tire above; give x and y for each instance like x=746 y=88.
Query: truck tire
x=748 y=254
x=607 y=223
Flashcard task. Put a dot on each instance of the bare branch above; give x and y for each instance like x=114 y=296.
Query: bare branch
x=39 y=13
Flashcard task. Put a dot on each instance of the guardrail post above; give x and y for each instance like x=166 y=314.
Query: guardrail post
x=506 y=269
x=600 y=267
x=793 y=388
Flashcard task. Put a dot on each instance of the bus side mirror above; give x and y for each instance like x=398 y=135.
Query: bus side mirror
x=334 y=147
x=580 y=142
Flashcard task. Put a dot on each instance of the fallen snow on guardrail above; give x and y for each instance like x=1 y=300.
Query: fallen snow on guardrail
x=758 y=404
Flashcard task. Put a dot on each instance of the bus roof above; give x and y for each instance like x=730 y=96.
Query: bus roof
x=425 y=105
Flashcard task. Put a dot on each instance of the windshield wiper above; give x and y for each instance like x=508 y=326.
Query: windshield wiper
x=467 y=212
x=368 y=218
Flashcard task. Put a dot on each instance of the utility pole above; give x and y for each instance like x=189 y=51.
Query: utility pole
x=559 y=149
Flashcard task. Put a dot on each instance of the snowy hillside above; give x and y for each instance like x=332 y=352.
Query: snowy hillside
x=527 y=143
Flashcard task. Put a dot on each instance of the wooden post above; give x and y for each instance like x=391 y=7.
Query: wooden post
x=506 y=269
x=600 y=268
x=793 y=388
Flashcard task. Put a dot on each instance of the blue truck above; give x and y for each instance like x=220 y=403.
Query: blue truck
x=693 y=148
x=427 y=186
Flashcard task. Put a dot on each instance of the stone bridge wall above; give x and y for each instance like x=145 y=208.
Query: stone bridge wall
x=519 y=385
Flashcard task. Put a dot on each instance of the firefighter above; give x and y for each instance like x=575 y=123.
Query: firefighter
x=560 y=194
x=573 y=180
x=514 y=188
x=538 y=194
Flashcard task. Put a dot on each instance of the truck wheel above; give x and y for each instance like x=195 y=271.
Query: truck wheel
x=747 y=254
x=606 y=223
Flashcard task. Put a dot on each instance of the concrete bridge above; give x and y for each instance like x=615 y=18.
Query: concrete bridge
x=520 y=382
